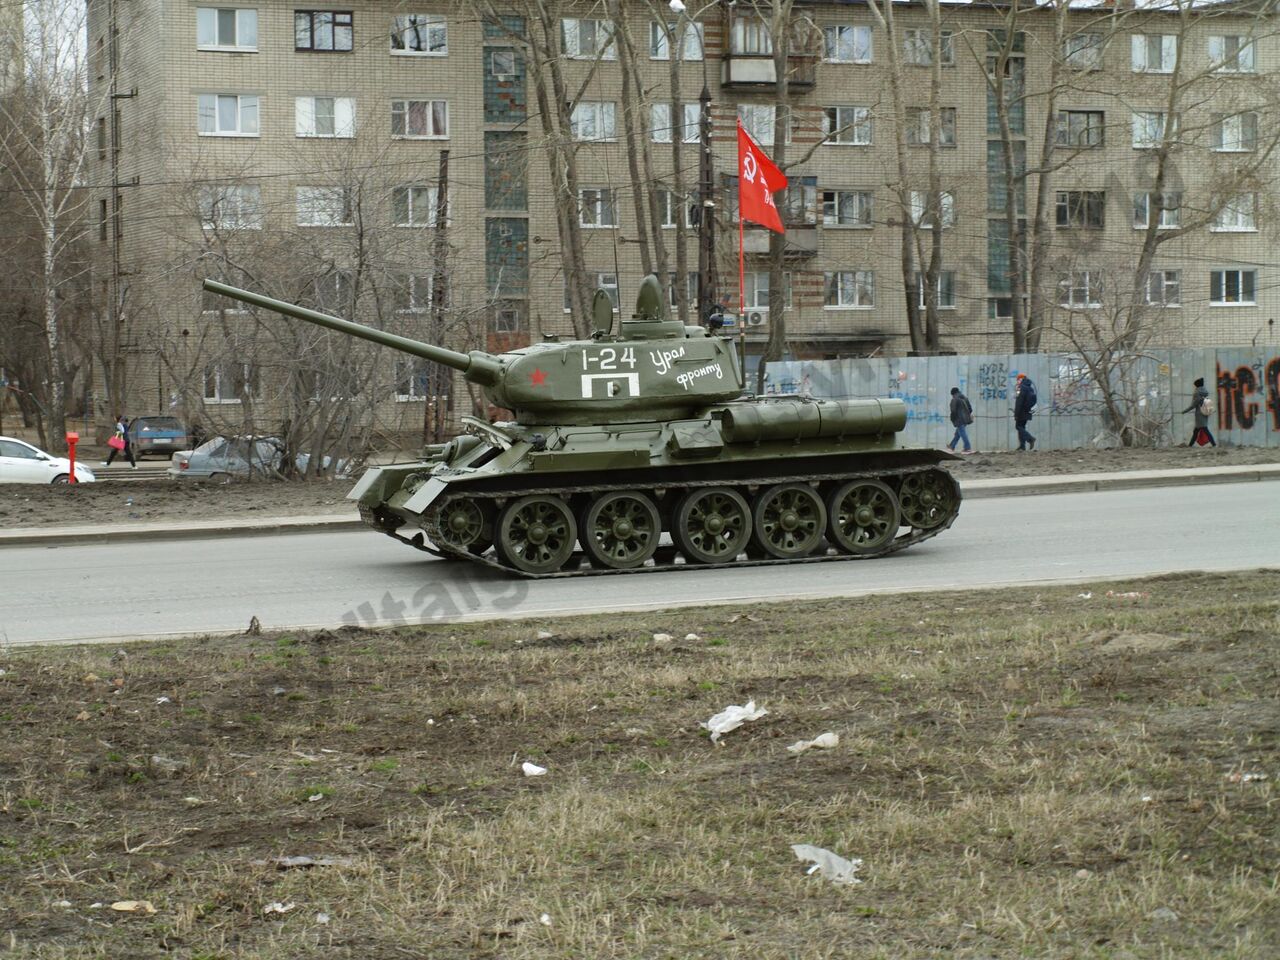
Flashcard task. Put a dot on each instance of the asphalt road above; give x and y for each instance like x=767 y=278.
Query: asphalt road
x=136 y=589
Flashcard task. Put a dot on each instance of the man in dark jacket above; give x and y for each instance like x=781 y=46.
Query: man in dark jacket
x=1024 y=401
x=961 y=417
x=1199 y=405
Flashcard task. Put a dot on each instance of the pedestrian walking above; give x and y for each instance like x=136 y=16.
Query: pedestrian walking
x=1203 y=408
x=1024 y=402
x=961 y=417
x=121 y=443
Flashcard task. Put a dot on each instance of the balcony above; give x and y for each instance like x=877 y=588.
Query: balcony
x=801 y=239
x=754 y=71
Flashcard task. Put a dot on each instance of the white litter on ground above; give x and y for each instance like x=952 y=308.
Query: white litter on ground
x=731 y=718
x=832 y=866
x=825 y=741
x=532 y=769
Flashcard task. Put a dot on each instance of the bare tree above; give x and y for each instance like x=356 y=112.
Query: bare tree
x=45 y=148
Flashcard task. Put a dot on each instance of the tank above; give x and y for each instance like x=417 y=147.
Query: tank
x=637 y=450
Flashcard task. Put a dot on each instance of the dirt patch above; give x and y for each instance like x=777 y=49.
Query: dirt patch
x=24 y=505
x=1010 y=792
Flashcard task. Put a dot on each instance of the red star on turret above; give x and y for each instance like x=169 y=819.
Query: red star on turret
x=538 y=377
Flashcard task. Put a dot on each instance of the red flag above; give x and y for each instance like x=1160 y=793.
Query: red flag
x=758 y=180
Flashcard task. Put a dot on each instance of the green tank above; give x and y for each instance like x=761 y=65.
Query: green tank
x=645 y=432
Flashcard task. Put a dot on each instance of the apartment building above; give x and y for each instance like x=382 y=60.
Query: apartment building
x=298 y=150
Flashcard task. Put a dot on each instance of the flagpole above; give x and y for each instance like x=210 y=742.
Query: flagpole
x=742 y=301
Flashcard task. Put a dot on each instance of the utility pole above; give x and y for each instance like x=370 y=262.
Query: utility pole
x=709 y=282
x=439 y=379
x=115 y=297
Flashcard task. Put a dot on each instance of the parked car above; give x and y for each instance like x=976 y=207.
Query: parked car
x=157 y=435
x=20 y=462
x=226 y=458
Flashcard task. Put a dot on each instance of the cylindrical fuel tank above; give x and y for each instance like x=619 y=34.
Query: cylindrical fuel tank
x=801 y=419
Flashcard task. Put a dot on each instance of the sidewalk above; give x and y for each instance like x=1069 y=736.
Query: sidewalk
x=329 y=523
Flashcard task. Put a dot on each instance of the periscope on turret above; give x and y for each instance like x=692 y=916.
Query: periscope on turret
x=638 y=450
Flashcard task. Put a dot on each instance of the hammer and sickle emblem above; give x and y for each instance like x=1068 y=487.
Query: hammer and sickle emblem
x=749 y=167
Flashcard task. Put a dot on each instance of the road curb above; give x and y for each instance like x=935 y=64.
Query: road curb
x=971 y=490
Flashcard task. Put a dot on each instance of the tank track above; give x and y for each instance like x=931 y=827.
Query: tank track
x=664 y=559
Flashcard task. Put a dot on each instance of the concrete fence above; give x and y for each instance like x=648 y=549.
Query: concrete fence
x=1154 y=388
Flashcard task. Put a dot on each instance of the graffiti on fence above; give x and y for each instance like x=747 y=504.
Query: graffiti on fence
x=993 y=381
x=1235 y=403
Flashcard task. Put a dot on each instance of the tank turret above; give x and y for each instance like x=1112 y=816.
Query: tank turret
x=654 y=368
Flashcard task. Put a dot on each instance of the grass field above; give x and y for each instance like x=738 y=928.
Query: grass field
x=1025 y=773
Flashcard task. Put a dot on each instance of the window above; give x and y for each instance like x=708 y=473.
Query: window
x=750 y=36
x=799 y=206
x=658 y=43
x=227 y=115
x=850 y=289
x=420 y=119
x=593 y=120
x=919 y=127
x=325 y=117
x=660 y=122
x=414 y=205
x=1170 y=210
x=760 y=121
x=1081 y=208
x=412 y=293
x=1082 y=129
x=669 y=204
x=230 y=381
x=420 y=35
x=608 y=282
x=1154 y=52
x=322 y=31
x=584 y=39
x=847 y=208
x=230 y=207
x=847 y=43
x=324 y=207
x=1080 y=288
x=917 y=48
x=332 y=292
x=219 y=29
x=1236 y=215
x=502 y=64
x=1164 y=288
x=101 y=127
x=1231 y=54
x=102 y=219
x=1083 y=51
x=414 y=379
x=596 y=207
x=508 y=317
x=1235 y=133
x=946 y=289
x=1149 y=129
x=847 y=125
x=922 y=215
x=756 y=287
x=693 y=284
x=1232 y=288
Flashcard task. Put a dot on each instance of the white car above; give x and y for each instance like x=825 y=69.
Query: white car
x=20 y=462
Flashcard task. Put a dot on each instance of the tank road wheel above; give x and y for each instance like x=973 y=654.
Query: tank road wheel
x=536 y=534
x=864 y=516
x=620 y=530
x=789 y=521
x=462 y=525
x=711 y=525
x=927 y=498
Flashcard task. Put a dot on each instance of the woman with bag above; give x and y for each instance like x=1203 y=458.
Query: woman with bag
x=1203 y=407
x=120 y=443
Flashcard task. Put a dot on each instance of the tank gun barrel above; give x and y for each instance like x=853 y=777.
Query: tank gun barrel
x=476 y=366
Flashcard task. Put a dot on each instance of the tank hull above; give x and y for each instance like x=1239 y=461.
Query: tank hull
x=706 y=492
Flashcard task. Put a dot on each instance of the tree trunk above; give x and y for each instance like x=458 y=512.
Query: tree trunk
x=675 y=48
